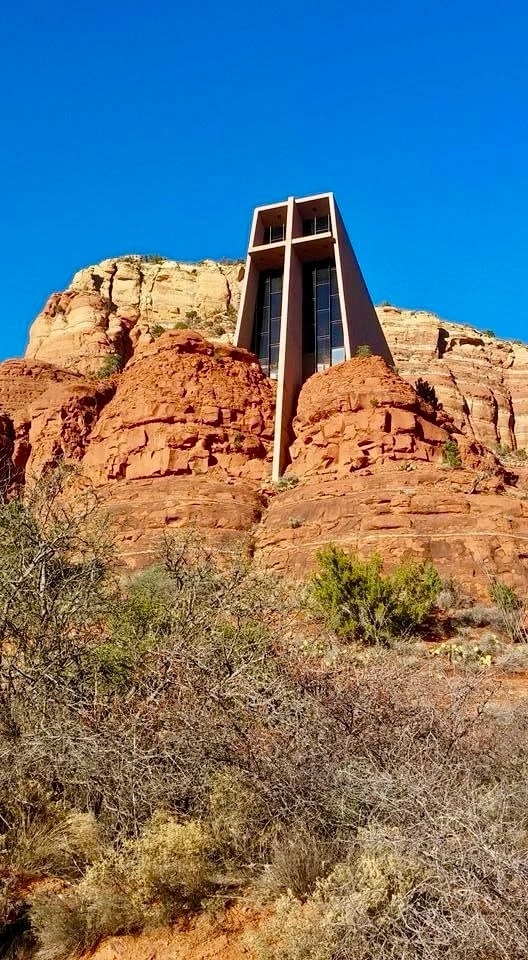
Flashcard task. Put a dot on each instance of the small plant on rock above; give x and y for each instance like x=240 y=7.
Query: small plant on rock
x=111 y=365
x=363 y=350
x=428 y=393
x=286 y=483
x=451 y=454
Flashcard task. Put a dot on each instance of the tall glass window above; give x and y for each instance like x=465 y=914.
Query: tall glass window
x=266 y=328
x=323 y=343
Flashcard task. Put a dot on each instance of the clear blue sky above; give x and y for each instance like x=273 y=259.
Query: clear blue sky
x=155 y=128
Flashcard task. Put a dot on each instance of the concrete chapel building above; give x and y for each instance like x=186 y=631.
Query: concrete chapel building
x=305 y=305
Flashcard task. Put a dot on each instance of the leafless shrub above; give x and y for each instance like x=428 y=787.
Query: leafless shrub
x=388 y=792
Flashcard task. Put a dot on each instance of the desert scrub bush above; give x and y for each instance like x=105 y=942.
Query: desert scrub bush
x=287 y=482
x=111 y=365
x=298 y=860
x=428 y=393
x=361 y=896
x=363 y=350
x=69 y=924
x=166 y=872
x=390 y=899
x=451 y=454
x=157 y=330
x=152 y=258
x=361 y=603
x=513 y=610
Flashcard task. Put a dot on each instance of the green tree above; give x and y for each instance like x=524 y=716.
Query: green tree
x=360 y=602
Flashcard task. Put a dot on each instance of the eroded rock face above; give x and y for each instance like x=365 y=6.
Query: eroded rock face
x=184 y=406
x=481 y=380
x=181 y=437
x=48 y=414
x=360 y=415
x=120 y=304
x=368 y=458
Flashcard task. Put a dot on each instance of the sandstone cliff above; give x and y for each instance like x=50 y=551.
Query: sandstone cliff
x=183 y=436
x=118 y=305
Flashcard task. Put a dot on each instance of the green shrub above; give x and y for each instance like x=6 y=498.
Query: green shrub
x=502 y=450
x=489 y=333
x=359 y=602
x=111 y=365
x=152 y=258
x=156 y=330
x=363 y=350
x=451 y=454
x=504 y=596
x=428 y=393
x=287 y=482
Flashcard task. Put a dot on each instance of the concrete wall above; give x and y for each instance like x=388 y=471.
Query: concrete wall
x=360 y=320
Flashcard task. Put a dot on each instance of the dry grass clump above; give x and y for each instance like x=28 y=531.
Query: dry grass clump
x=165 y=872
x=55 y=843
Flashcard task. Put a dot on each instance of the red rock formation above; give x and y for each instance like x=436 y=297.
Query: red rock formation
x=183 y=436
x=185 y=407
x=50 y=413
x=368 y=455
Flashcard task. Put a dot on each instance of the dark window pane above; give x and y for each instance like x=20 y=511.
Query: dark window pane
x=323 y=297
x=322 y=224
x=337 y=334
x=333 y=281
x=323 y=275
x=277 y=233
x=323 y=351
x=323 y=323
x=268 y=304
x=335 y=309
x=275 y=331
x=275 y=305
